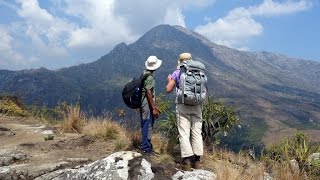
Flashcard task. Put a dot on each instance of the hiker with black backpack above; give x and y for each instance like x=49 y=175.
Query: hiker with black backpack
x=190 y=82
x=148 y=110
x=139 y=93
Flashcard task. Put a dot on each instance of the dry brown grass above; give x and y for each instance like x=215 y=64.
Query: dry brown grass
x=108 y=130
x=284 y=172
x=97 y=127
x=231 y=166
x=239 y=166
x=73 y=121
x=135 y=138
x=160 y=143
x=104 y=128
x=225 y=164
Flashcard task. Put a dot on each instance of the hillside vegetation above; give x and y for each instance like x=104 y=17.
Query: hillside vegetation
x=12 y=106
x=293 y=158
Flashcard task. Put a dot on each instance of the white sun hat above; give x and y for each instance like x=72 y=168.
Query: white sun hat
x=153 y=63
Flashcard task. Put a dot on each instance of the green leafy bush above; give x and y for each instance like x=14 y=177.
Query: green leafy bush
x=51 y=114
x=217 y=117
x=12 y=106
x=167 y=124
x=297 y=148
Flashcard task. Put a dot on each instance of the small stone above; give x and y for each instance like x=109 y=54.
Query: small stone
x=19 y=157
x=78 y=160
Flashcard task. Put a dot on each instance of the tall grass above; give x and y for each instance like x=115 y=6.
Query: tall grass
x=293 y=155
x=104 y=128
x=74 y=120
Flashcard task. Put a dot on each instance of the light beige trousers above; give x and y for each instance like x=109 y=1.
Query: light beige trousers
x=189 y=123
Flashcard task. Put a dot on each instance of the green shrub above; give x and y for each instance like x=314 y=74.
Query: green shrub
x=50 y=114
x=217 y=117
x=120 y=145
x=167 y=122
x=12 y=106
x=298 y=148
x=49 y=137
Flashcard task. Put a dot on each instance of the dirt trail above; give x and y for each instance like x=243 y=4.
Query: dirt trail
x=23 y=147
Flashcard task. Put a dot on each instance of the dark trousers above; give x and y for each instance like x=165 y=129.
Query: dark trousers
x=146 y=131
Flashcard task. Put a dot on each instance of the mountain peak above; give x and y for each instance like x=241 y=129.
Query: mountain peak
x=162 y=31
x=166 y=35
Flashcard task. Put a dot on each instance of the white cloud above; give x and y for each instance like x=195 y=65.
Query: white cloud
x=239 y=26
x=57 y=30
x=100 y=26
x=8 y=56
x=45 y=32
x=229 y=30
x=178 y=17
x=106 y=23
x=271 y=8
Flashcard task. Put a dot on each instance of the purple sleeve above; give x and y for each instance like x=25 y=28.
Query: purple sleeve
x=176 y=76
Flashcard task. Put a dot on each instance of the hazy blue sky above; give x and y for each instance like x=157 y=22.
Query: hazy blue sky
x=60 y=33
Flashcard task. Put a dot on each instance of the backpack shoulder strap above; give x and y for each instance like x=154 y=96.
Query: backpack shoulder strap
x=143 y=78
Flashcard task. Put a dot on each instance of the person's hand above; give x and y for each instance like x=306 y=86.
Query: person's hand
x=155 y=113
x=169 y=77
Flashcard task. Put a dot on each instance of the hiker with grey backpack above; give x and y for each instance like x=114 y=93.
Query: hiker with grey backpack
x=191 y=90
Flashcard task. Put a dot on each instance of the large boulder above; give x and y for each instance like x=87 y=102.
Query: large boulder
x=114 y=166
x=125 y=165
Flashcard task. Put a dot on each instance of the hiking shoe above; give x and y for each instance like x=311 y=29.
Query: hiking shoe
x=147 y=153
x=152 y=153
x=186 y=165
x=196 y=165
x=196 y=162
x=143 y=153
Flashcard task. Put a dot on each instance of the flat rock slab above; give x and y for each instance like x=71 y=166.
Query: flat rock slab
x=198 y=174
x=122 y=166
x=113 y=167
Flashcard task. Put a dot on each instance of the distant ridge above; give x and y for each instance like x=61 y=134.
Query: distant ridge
x=283 y=91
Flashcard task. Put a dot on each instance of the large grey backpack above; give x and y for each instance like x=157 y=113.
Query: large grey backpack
x=192 y=88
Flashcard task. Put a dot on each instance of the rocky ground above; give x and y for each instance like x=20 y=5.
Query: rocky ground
x=28 y=151
x=26 y=148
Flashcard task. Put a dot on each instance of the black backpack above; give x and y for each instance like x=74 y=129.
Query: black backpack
x=132 y=91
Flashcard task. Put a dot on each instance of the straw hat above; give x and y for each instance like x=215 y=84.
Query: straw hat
x=183 y=57
x=153 y=63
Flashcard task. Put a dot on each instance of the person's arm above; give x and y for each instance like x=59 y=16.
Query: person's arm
x=155 y=110
x=149 y=85
x=170 y=85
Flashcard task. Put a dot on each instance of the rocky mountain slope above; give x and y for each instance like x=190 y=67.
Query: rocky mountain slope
x=281 y=91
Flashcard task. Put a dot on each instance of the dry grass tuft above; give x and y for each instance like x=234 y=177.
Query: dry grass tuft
x=239 y=166
x=160 y=143
x=104 y=128
x=229 y=165
x=121 y=144
x=108 y=130
x=73 y=121
x=135 y=138
x=284 y=172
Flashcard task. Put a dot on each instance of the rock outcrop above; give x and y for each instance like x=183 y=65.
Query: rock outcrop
x=123 y=165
